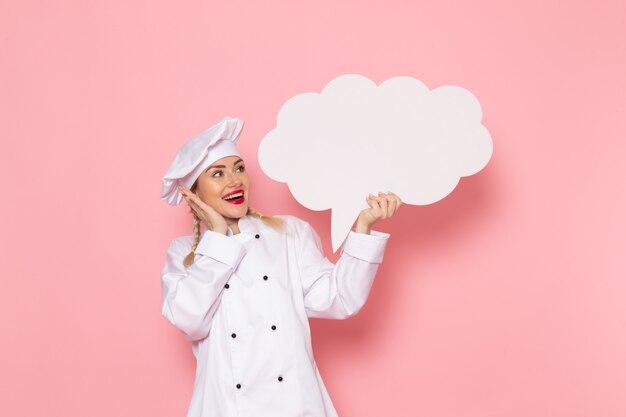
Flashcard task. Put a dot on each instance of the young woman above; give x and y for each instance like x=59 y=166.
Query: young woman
x=242 y=289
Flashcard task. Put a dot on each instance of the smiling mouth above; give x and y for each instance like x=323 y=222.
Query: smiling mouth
x=235 y=198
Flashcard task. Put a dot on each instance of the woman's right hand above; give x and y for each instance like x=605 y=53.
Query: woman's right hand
x=211 y=218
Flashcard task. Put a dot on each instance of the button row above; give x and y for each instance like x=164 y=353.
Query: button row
x=234 y=335
x=265 y=278
x=280 y=378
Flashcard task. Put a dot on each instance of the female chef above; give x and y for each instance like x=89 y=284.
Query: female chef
x=242 y=289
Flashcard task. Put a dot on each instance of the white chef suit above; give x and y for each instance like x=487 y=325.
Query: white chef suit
x=245 y=303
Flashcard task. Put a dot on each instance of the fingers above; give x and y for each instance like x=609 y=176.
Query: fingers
x=193 y=201
x=395 y=196
x=384 y=204
x=202 y=210
x=186 y=194
x=387 y=202
x=193 y=206
x=393 y=205
x=191 y=196
x=374 y=203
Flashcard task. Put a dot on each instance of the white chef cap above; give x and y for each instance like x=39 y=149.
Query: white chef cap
x=197 y=154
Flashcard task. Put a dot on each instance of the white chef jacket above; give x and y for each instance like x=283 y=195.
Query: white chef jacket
x=245 y=303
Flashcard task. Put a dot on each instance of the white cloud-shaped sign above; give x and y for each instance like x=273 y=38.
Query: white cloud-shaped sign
x=355 y=137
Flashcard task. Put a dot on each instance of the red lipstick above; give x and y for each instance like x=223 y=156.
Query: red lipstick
x=237 y=200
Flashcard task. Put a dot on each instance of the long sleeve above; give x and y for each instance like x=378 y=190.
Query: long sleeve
x=192 y=295
x=338 y=291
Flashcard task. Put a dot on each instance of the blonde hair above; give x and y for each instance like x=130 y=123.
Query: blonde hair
x=274 y=222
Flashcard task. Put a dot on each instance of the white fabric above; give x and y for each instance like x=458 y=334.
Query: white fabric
x=197 y=154
x=220 y=149
x=301 y=283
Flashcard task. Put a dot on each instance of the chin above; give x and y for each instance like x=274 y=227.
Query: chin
x=238 y=212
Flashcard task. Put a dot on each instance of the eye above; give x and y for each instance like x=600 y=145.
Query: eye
x=242 y=168
x=217 y=172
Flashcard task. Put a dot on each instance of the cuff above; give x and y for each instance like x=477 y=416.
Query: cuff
x=222 y=248
x=368 y=247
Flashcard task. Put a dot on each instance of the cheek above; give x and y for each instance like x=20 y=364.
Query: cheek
x=211 y=191
x=216 y=194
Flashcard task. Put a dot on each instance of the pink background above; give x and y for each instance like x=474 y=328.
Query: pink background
x=506 y=298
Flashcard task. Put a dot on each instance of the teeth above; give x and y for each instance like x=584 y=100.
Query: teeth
x=234 y=196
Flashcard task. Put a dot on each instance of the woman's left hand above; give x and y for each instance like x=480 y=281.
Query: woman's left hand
x=382 y=207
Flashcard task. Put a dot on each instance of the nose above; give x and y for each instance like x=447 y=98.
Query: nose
x=234 y=180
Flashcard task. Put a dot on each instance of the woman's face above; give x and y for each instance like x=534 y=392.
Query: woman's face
x=226 y=177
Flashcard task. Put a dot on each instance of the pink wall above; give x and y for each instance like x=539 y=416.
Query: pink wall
x=507 y=298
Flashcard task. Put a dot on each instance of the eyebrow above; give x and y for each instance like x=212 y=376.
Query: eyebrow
x=223 y=166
